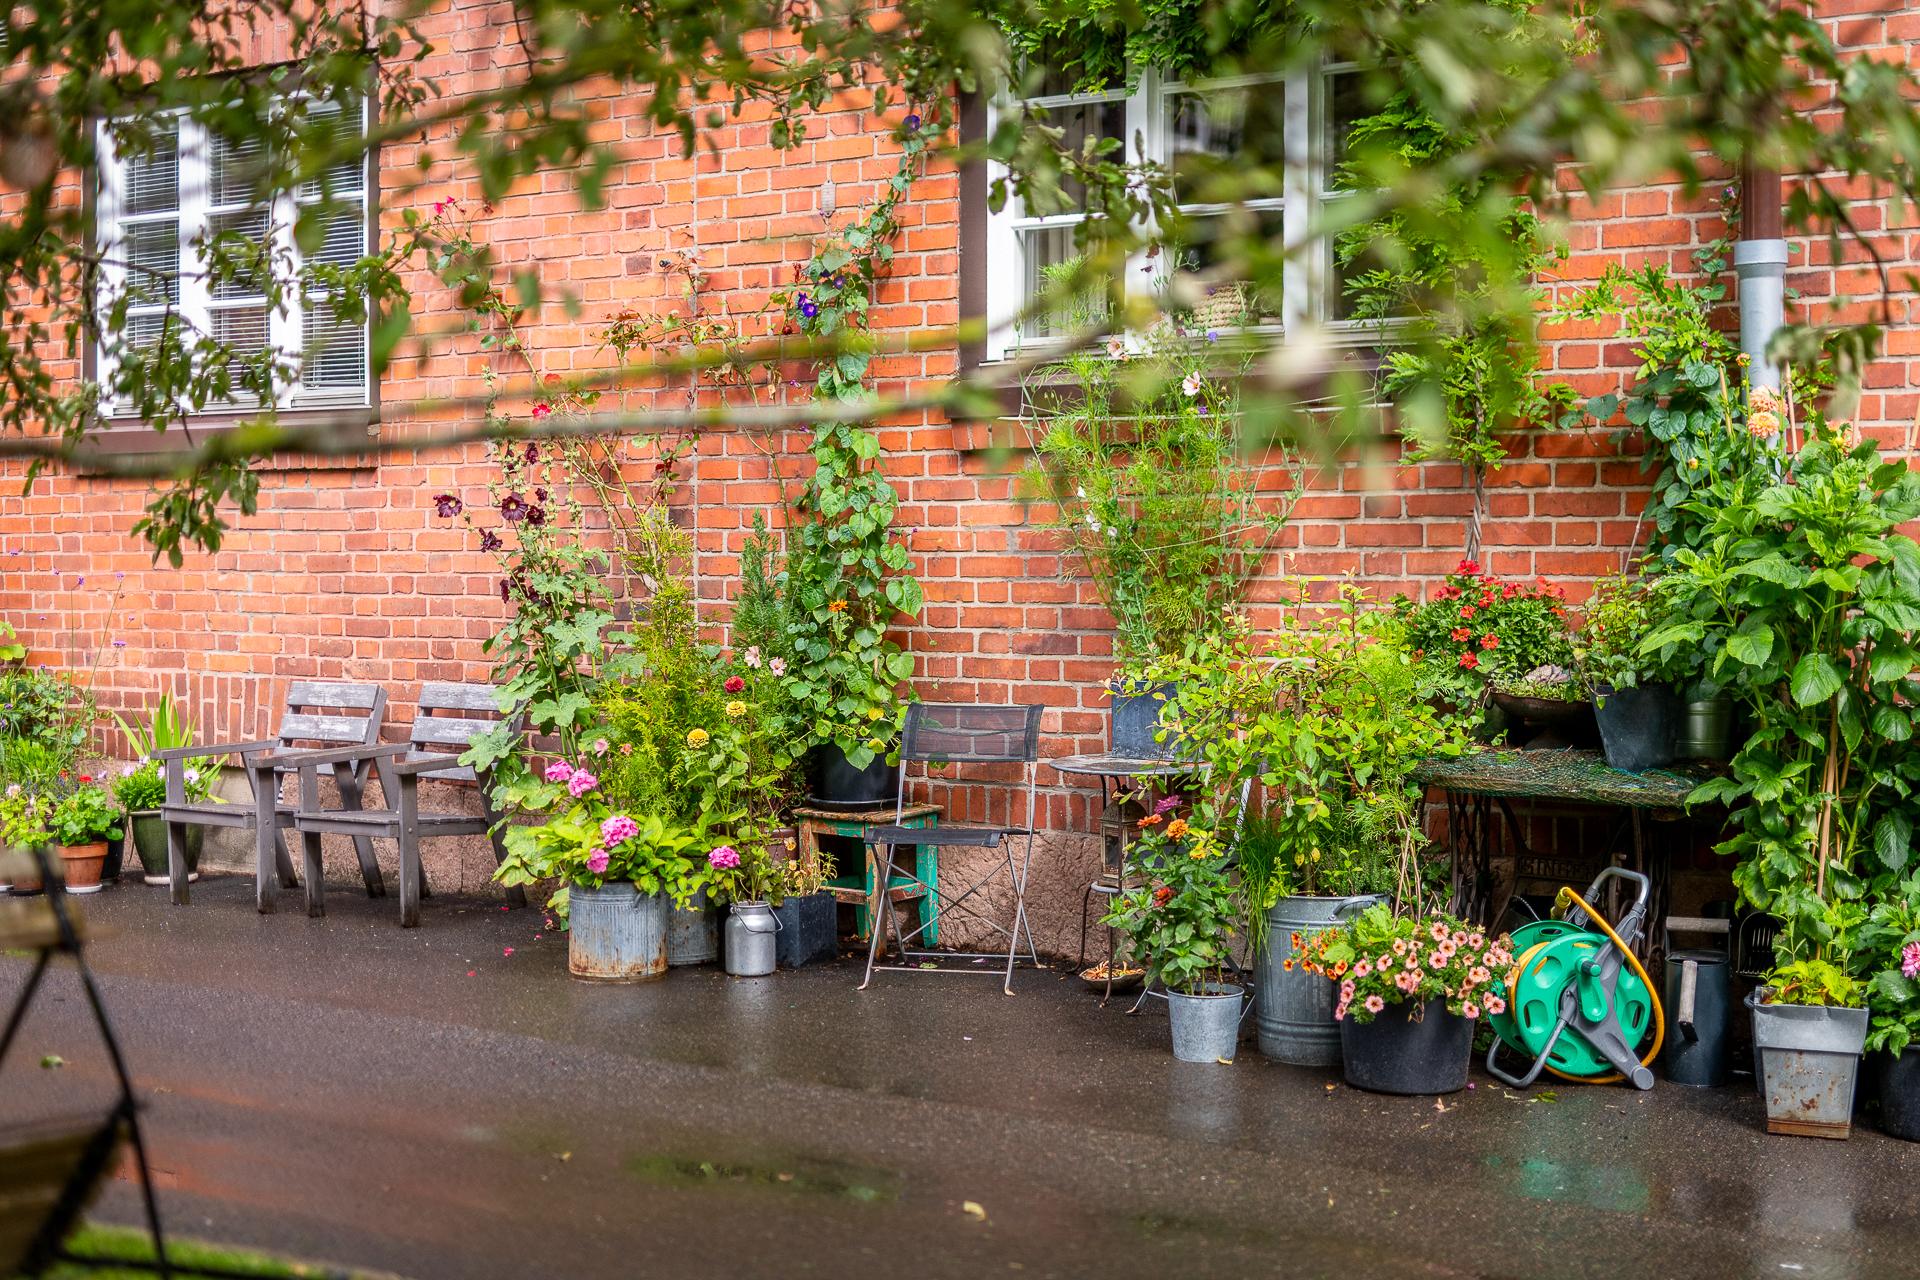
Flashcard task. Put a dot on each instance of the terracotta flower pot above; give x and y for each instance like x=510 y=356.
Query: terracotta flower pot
x=81 y=864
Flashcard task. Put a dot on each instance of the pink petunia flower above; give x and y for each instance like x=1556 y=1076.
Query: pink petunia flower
x=600 y=746
x=778 y=666
x=1364 y=968
x=1375 y=1004
x=1471 y=1010
x=1496 y=1005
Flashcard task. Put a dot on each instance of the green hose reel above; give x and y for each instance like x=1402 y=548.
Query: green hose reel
x=1578 y=1003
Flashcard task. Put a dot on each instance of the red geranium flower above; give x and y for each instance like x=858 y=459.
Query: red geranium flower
x=1489 y=641
x=1469 y=660
x=1460 y=635
x=1468 y=567
x=1466 y=611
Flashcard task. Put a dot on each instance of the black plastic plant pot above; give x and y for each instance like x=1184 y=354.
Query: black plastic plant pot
x=808 y=930
x=1636 y=726
x=1900 y=1095
x=838 y=785
x=1399 y=1052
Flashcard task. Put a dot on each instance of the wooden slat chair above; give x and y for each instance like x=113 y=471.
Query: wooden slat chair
x=451 y=716
x=319 y=713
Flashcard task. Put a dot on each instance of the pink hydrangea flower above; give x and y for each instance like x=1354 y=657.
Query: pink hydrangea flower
x=597 y=861
x=725 y=858
x=619 y=828
x=1910 y=960
x=559 y=771
x=580 y=783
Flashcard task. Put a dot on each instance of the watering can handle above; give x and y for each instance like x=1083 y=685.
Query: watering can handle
x=1354 y=906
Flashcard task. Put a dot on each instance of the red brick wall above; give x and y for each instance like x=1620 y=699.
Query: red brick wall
x=345 y=572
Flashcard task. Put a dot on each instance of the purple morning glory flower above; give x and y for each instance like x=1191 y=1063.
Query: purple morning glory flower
x=913 y=122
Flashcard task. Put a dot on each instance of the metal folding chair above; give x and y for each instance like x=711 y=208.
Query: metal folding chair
x=954 y=733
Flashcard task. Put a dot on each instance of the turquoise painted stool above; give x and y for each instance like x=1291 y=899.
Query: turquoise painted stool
x=860 y=888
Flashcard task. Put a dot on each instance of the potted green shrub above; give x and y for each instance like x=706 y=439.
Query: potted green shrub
x=24 y=812
x=1807 y=597
x=80 y=825
x=1146 y=482
x=618 y=875
x=1890 y=942
x=1179 y=924
x=1635 y=709
x=141 y=790
x=1410 y=989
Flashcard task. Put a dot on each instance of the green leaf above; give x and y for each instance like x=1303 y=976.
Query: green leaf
x=1893 y=840
x=1752 y=643
x=1815 y=679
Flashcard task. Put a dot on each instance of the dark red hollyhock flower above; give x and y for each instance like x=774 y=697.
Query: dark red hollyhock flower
x=536 y=516
x=539 y=495
x=734 y=684
x=489 y=540
x=446 y=505
x=513 y=508
x=533 y=452
x=506 y=596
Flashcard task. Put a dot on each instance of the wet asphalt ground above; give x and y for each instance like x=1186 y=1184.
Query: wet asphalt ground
x=445 y=1102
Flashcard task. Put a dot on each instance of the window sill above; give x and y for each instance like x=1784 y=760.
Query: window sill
x=126 y=436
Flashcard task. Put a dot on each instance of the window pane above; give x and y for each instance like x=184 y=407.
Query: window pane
x=1253 y=238
x=145 y=331
x=1077 y=123
x=1380 y=298
x=1346 y=103
x=336 y=352
x=343 y=238
x=339 y=123
x=1227 y=144
x=152 y=179
x=244 y=329
x=151 y=251
x=1041 y=249
x=238 y=273
x=233 y=169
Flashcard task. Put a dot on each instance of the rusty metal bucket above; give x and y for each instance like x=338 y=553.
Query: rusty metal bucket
x=1809 y=1063
x=616 y=934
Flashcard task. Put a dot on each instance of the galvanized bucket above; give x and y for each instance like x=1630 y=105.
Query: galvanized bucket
x=616 y=934
x=1206 y=1025
x=693 y=932
x=1294 y=1010
x=751 y=945
x=1809 y=1062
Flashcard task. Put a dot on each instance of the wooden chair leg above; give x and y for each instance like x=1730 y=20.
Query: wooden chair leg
x=177 y=863
x=283 y=859
x=266 y=830
x=409 y=808
x=350 y=794
x=316 y=879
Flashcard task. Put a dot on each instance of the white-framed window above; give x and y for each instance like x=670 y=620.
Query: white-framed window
x=1297 y=122
x=161 y=207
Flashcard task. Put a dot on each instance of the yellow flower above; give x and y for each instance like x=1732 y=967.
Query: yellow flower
x=697 y=737
x=736 y=708
x=837 y=606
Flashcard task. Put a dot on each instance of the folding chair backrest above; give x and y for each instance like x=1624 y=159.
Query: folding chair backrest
x=450 y=717
x=322 y=713
x=958 y=733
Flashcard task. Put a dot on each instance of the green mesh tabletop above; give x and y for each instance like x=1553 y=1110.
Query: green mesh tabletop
x=1572 y=775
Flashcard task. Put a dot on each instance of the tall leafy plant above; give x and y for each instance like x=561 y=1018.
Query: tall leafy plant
x=1138 y=453
x=1808 y=597
x=847 y=578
